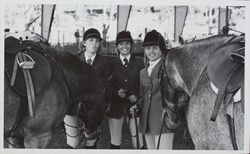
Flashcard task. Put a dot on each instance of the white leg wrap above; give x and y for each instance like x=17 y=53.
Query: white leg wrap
x=11 y=140
x=71 y=132
x=90 y=142
x=237 y=96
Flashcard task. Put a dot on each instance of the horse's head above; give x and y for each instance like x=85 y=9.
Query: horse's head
x=87 y=89
x=92 y=109
x=174 y=97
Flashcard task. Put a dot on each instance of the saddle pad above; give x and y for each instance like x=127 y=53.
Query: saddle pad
x=220 y=67
x=41 y=73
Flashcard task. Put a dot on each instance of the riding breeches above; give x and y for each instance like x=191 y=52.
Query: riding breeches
x=115 y=126
x=166 y=141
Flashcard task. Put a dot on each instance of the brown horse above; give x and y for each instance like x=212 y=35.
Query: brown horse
x=60 y=81
x=186 y=83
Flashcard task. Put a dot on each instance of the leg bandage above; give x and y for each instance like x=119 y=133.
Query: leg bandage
x=72 y=130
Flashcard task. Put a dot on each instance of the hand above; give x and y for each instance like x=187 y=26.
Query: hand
x=132 y=98
x=122 y=93
x=133 y=110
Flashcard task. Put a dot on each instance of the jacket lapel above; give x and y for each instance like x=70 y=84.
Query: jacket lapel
x=155 y=71
x=131 y=62
x=145 y=77
x=96 y=60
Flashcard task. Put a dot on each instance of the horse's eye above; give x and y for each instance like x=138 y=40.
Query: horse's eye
x=27 y=37
x=20 y=38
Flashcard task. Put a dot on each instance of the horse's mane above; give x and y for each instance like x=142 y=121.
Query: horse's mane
x=204 y=40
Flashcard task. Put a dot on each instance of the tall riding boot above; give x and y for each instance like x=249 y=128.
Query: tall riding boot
x=112 y=146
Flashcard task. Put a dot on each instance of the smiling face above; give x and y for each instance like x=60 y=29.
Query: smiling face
x=92 y=45
x=153 y=52
x=124 y=48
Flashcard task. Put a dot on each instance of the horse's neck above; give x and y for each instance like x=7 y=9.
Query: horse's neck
x=190 y=60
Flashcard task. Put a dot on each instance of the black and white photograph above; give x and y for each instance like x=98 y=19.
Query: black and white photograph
x=141 y=77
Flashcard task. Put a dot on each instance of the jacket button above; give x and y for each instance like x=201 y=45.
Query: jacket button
x=126 y=80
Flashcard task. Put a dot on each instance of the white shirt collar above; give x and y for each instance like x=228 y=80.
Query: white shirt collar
x=153 y=63
x=122 y=57
x=86 y=57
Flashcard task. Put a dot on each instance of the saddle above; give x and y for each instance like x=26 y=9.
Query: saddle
x=40 y=74
x=225 y=69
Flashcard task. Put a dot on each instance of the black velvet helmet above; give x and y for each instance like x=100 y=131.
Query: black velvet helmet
x=124 y=36
x=92 y=32
x=155 y=38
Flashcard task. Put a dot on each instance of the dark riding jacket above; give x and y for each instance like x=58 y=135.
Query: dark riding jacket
x=102 y=69
x=126 y=78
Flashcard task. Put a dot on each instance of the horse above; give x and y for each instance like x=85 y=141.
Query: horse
x=51 y=82
x=186 y=85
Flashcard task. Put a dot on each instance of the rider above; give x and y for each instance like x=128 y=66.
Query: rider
x=150 y=104
x=125 y=90
x=91 y=42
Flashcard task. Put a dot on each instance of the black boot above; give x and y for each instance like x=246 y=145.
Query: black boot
x=69 y=147
x=91 y=147
x=143 y=147
x=112 y=146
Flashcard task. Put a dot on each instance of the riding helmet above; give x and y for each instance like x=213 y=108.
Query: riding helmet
x=124 y=36
x=92 y=32
x=155 y=38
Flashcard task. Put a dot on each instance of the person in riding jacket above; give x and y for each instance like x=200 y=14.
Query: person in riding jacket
x=150 y=103
x=125 y=90
x=91 y=42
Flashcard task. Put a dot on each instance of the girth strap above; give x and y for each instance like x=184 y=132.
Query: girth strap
x=221 y=94
x=25 y=64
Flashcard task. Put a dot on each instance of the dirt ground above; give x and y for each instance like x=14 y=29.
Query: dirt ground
x=182 y=139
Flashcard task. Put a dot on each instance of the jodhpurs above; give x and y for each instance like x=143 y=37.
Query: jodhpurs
x=115 y=126
x=166 y=141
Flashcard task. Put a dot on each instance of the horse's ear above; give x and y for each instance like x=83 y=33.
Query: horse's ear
x=181 y=40
x=193 y=39
x=11 y=44
x=237 y=57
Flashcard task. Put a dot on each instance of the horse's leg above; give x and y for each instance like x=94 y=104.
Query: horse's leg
x=239 y=125
x=38 y=140
x=12 y=103
x=50 y=108
x=205 y=133
x=16 y=141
